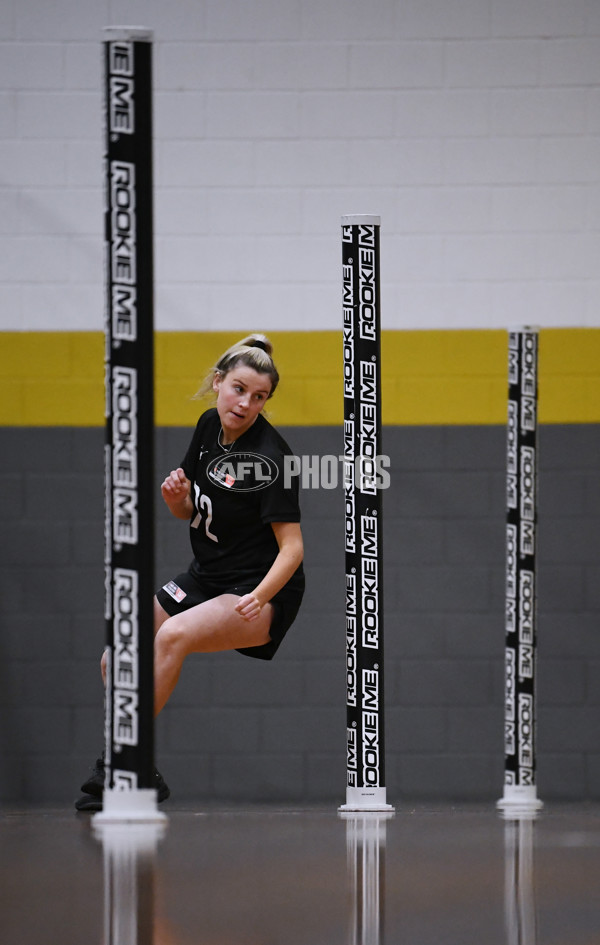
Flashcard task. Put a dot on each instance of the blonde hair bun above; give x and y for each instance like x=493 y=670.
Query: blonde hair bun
x=255 y=351
x=257 y=340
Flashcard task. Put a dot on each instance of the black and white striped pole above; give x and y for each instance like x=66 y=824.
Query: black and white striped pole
x=520 y=792
x=129 y=431
x=365 y=775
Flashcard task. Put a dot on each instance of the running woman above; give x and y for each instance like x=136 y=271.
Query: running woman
x=244 y=586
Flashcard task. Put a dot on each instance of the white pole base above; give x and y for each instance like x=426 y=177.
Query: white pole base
x=366 y=799
x=132 y=806
x=519 y=799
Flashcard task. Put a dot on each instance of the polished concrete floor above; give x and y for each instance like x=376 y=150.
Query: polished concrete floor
x=283 y=876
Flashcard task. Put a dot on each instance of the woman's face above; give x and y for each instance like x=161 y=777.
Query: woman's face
x=241 y=395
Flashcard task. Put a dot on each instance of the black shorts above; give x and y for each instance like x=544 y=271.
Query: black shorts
x=186 y=591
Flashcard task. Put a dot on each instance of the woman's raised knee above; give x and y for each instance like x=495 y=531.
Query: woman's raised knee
x=170 y=637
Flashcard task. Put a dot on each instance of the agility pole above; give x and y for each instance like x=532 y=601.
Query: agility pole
x=365 y=783
x=129 y=436
x=521 y=591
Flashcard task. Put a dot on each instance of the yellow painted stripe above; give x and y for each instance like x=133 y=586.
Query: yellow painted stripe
x=428 y=377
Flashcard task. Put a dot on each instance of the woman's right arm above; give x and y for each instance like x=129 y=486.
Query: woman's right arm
x=176 y=491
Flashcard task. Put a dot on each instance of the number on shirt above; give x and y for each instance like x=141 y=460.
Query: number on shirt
x=203 y=505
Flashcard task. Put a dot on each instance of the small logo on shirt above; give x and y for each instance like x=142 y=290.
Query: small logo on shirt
x=243 y=472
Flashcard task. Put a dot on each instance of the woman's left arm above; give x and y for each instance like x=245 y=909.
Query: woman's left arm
x=289 y=558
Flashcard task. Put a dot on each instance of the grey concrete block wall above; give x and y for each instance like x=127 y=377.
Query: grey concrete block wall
x=245 y=730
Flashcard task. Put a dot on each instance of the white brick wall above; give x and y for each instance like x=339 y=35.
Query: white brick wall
x=471 y=126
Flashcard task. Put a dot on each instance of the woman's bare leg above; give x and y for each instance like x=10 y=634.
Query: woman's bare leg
x=207 y=628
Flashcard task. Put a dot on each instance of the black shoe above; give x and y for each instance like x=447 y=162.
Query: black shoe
x=88 y=803
x=94 y=785
x=160 y=786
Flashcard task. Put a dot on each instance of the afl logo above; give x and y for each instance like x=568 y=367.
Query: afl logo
x=243 y=472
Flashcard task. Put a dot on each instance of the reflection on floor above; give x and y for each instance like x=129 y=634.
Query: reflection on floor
x=270 y=876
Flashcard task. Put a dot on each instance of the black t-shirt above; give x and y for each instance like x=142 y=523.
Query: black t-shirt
x=238 y=491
